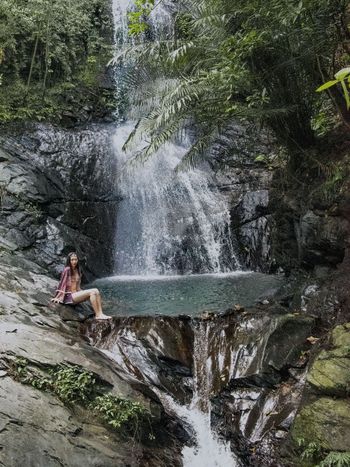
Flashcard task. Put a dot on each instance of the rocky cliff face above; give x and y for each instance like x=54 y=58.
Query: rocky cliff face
x=58 y=194
x=311 y=227
x=37 y=428
x=248 y=366
x=244 y=174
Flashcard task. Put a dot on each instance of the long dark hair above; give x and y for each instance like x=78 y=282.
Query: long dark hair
x=68 y=263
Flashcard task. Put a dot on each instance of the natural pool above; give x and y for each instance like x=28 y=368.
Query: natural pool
x=191 y=294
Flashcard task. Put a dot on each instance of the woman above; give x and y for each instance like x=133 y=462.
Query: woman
x=69 y=291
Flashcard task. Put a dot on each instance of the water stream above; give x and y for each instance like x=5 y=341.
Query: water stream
x=169 y=223
x=210 y=451
x=217 y=374
x=127 y=347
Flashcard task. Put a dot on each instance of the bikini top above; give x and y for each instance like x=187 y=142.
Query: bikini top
x=75 y=280
x=66 y=281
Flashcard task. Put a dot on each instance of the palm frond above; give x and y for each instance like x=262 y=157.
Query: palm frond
x=157 y=141
x=198 y=152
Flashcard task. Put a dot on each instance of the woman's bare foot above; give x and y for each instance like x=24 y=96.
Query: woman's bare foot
x=103 y=316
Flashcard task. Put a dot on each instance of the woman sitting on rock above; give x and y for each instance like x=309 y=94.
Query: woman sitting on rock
x=69 y=291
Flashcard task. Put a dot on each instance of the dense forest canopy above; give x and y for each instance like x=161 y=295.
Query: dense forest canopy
x=225 y=60
x=51 y=54
x=232 y=59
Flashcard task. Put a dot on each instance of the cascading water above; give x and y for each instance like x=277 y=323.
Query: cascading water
x=129 y=351
x=168 y=222
x=209 y=451
x=227 y=373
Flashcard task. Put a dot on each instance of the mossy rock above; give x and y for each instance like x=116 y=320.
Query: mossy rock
x=330 y=372
x=325 y=422
x=341 y=336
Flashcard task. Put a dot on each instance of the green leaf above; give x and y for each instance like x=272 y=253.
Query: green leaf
x=342 y=73
x=346 y=95
x=327 y=85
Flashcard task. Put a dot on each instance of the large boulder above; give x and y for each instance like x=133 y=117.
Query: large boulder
x=330 y=372
x=325 y=422
x=321 y=238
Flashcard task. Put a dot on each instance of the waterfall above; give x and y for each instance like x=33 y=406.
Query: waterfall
x=168 y=222
x=130 y=351
x=235 y=367
x=209 y=450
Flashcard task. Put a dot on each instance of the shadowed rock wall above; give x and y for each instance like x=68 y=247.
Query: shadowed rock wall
x=58 y=194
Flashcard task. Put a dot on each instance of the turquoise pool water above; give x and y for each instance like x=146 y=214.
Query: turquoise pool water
x=192 y=294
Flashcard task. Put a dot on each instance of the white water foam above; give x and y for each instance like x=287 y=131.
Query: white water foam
x=168 y=220
x=171 y=277
x=208 y=450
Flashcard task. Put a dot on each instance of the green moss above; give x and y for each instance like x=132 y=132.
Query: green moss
x=325 y=422
x=330 y=372
x=330 y=375
x=341 y=335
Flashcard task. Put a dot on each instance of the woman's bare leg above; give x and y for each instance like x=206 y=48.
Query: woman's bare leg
x=94 y=296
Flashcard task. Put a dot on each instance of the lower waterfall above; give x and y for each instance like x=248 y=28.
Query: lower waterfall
x=209 y=450
x=224 y=377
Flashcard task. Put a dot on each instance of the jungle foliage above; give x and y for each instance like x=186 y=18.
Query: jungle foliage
x=51 y=55
x=74 y=385
x=232 y=59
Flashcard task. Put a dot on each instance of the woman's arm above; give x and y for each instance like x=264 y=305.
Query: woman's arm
x=61 y=289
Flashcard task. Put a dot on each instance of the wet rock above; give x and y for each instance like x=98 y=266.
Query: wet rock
x=287 y=340
x=324 y=417
x=251 y=223
x=78 y=313
x=330 y=374
x=250 y=355
x=157 y=350
x=321 y=239
x=57 y=194
x=35 y=427
x=243 y=175
x=257 y=395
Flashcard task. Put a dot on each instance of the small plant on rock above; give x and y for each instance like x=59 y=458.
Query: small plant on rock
x=122 y=414
x=19 y=368
x=73 y=384
x=311 y=451
x=336 y=459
